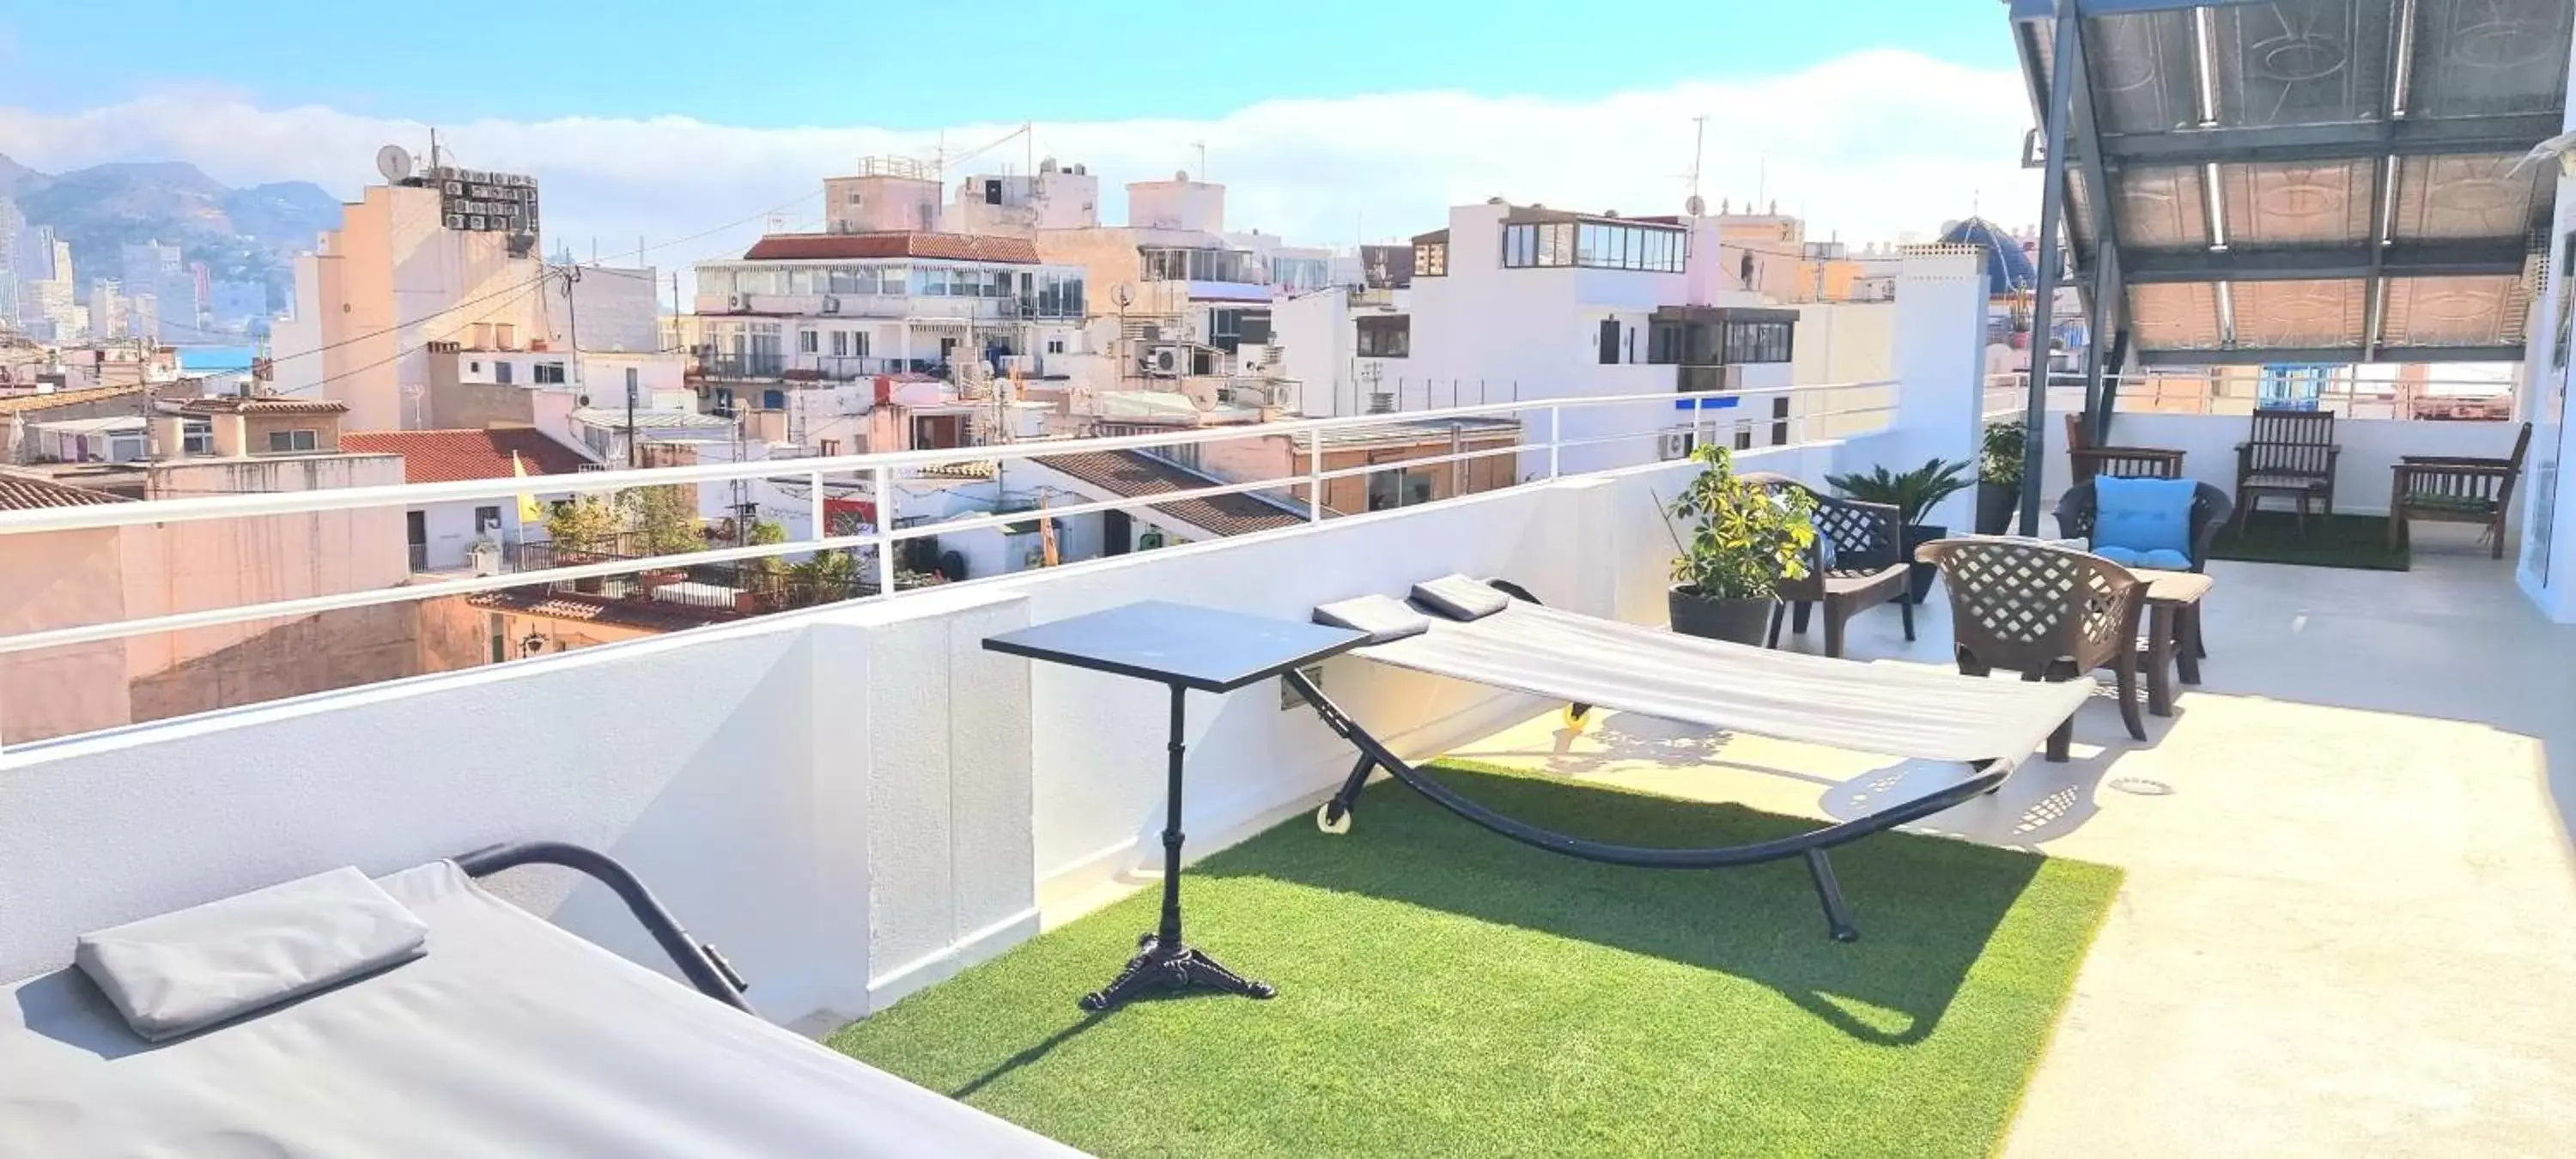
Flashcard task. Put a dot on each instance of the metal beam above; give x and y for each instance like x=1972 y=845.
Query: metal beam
x=2343 y=141
x=2261 y=356
x=2422 y=259
x=2052 y=197
x=2043 y=9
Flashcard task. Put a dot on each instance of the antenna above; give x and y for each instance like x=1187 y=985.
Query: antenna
x=1699 y=147
x=1201 y=146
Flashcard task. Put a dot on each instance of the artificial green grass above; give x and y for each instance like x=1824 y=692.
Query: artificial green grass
x=2358 y=542
x=1444 y=991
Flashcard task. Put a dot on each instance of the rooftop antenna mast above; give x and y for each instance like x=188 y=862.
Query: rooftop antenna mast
x=1699 y=150
x=1201 y=146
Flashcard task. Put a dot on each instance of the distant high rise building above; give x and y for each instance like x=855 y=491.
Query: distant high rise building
x=161 y=270
x=107 y=317
x=13 y=226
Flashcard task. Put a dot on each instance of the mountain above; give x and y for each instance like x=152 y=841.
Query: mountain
x=241 y=234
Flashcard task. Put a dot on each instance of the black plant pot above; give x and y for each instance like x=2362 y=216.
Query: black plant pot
x=1739 y=621
x=1996 y=505
x=1919 y=575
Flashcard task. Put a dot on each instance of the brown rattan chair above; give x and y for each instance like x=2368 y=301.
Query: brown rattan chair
x=2210 y=509
x=1868 y=569
x=2047 y=612
x=2086 y=460
x=2287 y=452
x=2455 y=490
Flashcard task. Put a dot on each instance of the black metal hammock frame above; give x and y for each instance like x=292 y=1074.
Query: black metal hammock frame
x=1334 y=815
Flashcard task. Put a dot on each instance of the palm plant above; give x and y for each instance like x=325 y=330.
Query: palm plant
x=1913 y=493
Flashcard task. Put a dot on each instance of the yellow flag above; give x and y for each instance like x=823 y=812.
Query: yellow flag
x=530 y=515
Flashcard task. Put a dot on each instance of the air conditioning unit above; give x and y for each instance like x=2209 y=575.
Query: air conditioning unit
x=831 y=305
x=738 y=302
x=1673 y=445
x=1166 y=360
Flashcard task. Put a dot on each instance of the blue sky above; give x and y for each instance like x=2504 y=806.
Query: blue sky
x=924 y=65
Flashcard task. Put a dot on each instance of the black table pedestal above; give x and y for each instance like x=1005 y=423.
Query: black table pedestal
x=1164 y=963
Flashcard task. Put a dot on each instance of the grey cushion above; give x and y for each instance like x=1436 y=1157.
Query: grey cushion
x=180 y=972
x=1384 y=618
x=1460 y=598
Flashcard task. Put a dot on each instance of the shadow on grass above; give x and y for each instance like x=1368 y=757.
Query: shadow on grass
x=1926 y=906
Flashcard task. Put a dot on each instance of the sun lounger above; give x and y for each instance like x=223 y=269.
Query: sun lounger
x=421 y=1015
x=1459 y=629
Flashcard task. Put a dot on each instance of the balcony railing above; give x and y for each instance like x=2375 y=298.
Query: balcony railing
x=2238 y=391
x=805 y=367
x=1640 y=433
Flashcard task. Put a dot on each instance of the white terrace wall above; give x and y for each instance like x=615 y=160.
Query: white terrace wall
x=2208 y=443
x=851 y=802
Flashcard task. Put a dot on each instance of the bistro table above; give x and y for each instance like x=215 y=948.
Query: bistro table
x=1183 y=648
x=2173 y=637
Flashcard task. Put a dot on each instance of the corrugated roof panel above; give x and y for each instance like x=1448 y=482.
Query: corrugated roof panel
x=2300 y=62
x=2463 y=197
x=2141 y=64
x=2300 y=314
x=2175 y=316
x=2480 y=58
x=2480 y=311
x=2295 y=204
x=2161 y=206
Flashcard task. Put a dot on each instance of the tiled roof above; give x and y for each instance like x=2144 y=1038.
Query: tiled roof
x=25 y=403
x=1134 y=475
x=449 y=456
x=904 y=244
x=27 y=493
x=646 y=615
x=266 y=404
x=653 y=420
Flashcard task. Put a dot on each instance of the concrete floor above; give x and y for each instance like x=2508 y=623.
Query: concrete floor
x=2349 y=923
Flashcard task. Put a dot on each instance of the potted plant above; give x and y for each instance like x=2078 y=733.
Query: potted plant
x=1744 y=539
x=1999 y=465
x=1913 y=494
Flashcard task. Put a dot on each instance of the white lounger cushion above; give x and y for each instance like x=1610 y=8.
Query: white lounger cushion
x=1460 y=598
x=510 y=1037
x=184 y=971
x=1895 y=709
x=1385 y=618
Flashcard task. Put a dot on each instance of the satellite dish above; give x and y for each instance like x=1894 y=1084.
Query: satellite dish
x=394 y=162
x=1696 y=206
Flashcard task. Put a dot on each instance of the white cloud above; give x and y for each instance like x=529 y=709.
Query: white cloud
x=1865 y=146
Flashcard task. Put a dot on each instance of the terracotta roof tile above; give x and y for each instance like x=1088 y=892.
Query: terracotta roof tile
x=1134 y=474
x=27 y=493
x=450 y=456
x=27 y=403
x=646 y=615
x=905 y=244
x=234 y=404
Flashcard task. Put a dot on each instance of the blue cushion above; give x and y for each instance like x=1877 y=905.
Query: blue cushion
x=2160 y=558
x=2143 y=515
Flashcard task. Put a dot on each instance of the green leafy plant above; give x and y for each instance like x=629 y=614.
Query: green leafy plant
x=824 y=578
x=1745 y=537
x=665 y=519
x=1914 y=493
x=584 y=523
x=1999 y=461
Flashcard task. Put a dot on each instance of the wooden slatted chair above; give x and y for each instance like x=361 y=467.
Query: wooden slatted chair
x=2290 y=453
x=2087 y=460
x=2455 y=490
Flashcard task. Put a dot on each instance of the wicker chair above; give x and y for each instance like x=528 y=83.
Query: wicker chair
x=2086 y=460
x=2047 y=612
x=2456 y=490
x=2210 y=510
x=2287 y=452
x=1869 y=565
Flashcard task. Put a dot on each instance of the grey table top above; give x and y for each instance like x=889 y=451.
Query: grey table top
x=1197 y=648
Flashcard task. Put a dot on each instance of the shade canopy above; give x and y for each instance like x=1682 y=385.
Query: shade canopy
x=2306 y=180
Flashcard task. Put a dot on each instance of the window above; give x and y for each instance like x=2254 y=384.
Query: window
x=840 y=343
x=284 y=441
x=1385 y=336
x=1176 y=264
x=1431 y=259
x=1605 y=245
x=549 y=372
x=773 y=400
x=1055 y=345
x=633 y=380
x=198 y=438
x=486 y=519
x=501 y=372
x=859 y=343
x=829 y=447
x=805 y=340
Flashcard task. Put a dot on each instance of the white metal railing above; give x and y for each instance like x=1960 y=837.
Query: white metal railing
x=2238 y=390
x=880 y=471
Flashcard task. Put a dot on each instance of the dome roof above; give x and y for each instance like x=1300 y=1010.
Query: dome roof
x=2008 y=269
